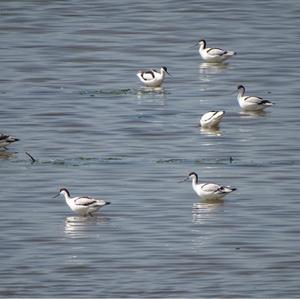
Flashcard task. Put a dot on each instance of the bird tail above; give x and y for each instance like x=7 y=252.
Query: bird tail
x=230 y=53
x=225 y=190
x=12 y=139
x=267 y=103
x=228 y=189
x=101 y=203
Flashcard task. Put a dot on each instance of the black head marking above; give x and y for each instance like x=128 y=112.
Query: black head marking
x=149 y=73
x=66 y=190
x=203 y=41
x=195 y=174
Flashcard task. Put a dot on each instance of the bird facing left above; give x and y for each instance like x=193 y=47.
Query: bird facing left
x=83 y=206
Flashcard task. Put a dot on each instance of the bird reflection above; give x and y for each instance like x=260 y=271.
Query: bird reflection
x=6 y=154
x=151 y=95
x=212 y=68
x=204 y=210
x=151 y=90
x=79 y=226
x=253 y=114
x=211 y=131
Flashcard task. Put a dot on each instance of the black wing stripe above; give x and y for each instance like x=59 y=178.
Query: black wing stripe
x=215 y=112
x=150 y=73
x=264 y=102
x=223 y=52
x=89 y=203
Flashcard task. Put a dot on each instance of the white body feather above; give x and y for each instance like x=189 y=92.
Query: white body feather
x=152 y=78
x=213 y=55
x=211 y=119
x=251 y=103
x=83 y=205
x=209 y=191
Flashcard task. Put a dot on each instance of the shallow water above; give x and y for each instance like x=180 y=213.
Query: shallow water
x=69 y=92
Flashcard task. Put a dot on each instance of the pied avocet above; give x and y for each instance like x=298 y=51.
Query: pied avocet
x=208 y=191
x=251 y=103
x=214 y=55
x=211 y=119
x=82 y=205
x=153 y=78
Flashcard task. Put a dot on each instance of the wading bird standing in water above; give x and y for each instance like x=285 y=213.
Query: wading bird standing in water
x=82 y=205
x=208 y=191
x=214 y=55
x=251 y=103
x=153 y=78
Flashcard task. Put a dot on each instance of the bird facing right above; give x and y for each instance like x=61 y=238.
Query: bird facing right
x=208 y=191
x=153 y=78
x=6 y=140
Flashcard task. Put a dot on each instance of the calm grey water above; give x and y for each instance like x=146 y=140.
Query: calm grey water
x=68 y=90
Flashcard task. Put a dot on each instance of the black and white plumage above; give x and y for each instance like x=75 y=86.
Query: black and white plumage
x=209 y=191
x=214 y=55
x=211 y=119
x=6 y=140
x=153 y=78
x=82 y=205
x=251 y=103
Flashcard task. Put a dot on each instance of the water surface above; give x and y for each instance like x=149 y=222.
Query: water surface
x=68 y=90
